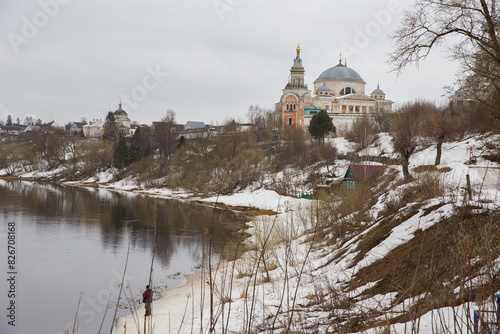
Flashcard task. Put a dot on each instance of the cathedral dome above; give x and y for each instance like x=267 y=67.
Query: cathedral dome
x=324 y=89
x=120 y=111
x=340 y=72
x=378 y=91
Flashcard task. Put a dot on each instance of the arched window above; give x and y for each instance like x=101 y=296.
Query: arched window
x=289 y=120
x=347 y=90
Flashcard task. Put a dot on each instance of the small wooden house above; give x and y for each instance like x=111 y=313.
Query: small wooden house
x=358 y=173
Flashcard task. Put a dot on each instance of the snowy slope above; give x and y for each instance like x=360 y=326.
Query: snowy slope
x=303 y=272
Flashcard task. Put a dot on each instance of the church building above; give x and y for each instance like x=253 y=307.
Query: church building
x=339 y=90
x=296 y=97
x=122 y=120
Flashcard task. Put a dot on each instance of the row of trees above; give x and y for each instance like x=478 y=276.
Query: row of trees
x=157 y=154
x=29 y=120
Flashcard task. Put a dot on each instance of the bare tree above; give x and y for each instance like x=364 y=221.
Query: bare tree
x=473 y=25
x=441 y=124
x=164 y=135
x=362 y=132
x=28 y=120
x=430 y=22
x=262 y=117
x=406 y=130
x=49 y=144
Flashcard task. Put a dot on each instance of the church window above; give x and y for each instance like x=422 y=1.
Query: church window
x=351 y=108
x=347 y=90
x=290 y=120
x=357 y=108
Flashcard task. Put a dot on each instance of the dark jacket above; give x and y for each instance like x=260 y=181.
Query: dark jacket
x=147 y=296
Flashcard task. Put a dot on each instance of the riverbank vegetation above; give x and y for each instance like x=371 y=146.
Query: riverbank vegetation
x=368 y=259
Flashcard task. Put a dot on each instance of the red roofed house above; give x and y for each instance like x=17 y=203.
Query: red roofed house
x=358 y=173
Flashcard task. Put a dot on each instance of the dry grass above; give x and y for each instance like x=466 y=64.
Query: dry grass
x=345 y=213
x=468 y=242
x=431 y=168
x=245 y=210
x=417 y=267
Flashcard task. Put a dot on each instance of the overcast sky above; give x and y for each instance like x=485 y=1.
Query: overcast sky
x=205 y=59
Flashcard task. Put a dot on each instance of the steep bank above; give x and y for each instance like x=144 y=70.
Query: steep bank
x=390 y=255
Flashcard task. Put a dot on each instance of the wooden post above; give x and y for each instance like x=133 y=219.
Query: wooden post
x=469 y=190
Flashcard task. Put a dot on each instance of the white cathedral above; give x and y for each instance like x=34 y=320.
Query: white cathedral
x=339 y=90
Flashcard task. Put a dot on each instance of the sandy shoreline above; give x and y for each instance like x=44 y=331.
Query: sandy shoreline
x=180 y=309
x=170 y=309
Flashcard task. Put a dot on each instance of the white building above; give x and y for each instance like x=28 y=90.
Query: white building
x=95 y=128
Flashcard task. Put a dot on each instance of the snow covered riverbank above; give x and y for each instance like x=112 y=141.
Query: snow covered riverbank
x=301 y=277
x=317 y=267
x=186 y=307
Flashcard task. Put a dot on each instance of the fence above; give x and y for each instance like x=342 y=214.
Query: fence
x=488 y=321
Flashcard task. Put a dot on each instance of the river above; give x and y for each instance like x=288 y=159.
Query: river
x=69 y=246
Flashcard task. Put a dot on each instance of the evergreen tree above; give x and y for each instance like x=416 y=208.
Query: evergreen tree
x=321 y=125
x=9 y=121
x=110 y=128
x=139 y=145
x=182 y=141
x=121 y=155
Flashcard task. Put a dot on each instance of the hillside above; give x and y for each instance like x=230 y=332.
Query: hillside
x=390 y=256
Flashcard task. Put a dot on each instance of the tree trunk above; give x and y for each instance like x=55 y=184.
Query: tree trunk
x=405 y=162
x=439 y=150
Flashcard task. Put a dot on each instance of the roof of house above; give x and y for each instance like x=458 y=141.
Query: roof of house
x=194 y=125
x=359 y=172
x=79 y=124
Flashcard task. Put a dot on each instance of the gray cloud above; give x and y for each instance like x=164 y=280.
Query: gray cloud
x=90 y=53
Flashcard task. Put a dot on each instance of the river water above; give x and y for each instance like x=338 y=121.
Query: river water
x=69 y=246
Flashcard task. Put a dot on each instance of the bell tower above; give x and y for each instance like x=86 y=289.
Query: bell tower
x=295 y=97
x=297 y=72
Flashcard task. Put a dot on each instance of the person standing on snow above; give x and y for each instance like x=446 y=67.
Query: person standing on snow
x=147 y=299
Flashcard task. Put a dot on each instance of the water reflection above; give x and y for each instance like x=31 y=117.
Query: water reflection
x=79 y=236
